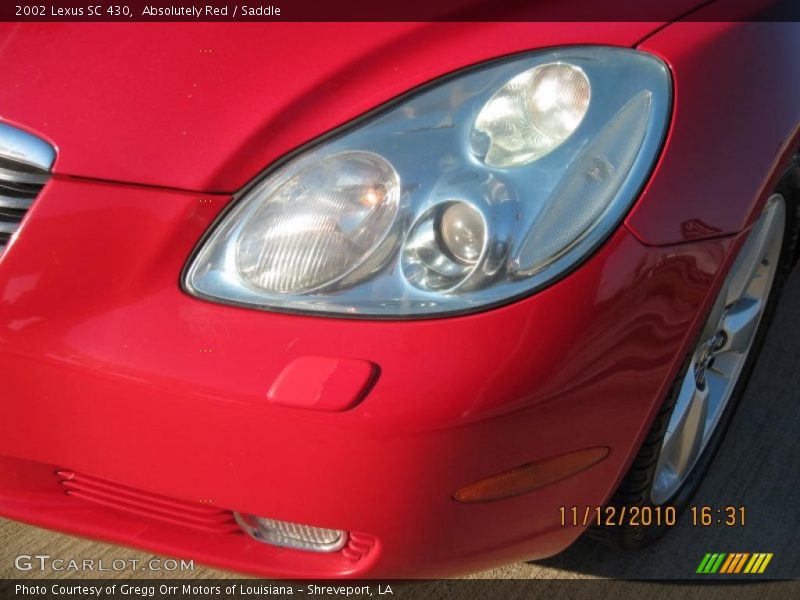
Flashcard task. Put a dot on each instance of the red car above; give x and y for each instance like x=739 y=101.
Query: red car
x=384 y=300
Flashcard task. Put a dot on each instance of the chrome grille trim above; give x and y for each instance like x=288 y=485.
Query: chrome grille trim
x=21 y=176
x=18 y=203
x=25 y=162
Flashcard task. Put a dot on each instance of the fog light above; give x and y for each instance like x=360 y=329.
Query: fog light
x=292 y=535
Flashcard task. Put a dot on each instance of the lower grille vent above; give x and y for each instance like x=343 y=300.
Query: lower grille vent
x=200 y=517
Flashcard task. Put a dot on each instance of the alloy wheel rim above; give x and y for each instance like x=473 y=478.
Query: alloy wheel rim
x=717 y=361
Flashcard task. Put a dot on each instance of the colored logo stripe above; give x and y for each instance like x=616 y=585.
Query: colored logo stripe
x=703 y=564
x=758 y=563
x=728 y=564
x=711 y=563
x=724 y=563
x=738 y=567
x=736 y=563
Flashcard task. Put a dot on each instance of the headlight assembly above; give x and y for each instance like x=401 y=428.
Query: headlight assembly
x=477 y=189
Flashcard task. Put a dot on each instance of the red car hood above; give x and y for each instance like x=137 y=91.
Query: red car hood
x=206 y=106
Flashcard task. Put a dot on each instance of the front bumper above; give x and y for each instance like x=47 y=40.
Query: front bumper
x=111 y=370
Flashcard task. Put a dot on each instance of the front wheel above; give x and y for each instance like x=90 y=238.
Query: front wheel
x=696 y=413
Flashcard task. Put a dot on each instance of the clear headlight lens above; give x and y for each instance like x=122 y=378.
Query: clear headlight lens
x=591 y=183
x=466 y=194
x=463 y=232
x=321 y=222
x=533 y=114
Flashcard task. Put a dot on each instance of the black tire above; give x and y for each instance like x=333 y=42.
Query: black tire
x=635 y=489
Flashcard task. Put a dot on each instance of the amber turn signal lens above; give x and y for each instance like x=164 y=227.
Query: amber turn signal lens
x=532 y=476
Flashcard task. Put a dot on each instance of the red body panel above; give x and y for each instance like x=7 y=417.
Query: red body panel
x=110 y=370
x=736 y=119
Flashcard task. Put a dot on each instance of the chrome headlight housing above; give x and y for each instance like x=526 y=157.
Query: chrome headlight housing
x=473 y=191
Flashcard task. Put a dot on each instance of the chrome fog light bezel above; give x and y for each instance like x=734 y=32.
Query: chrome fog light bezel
x=252 y=526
